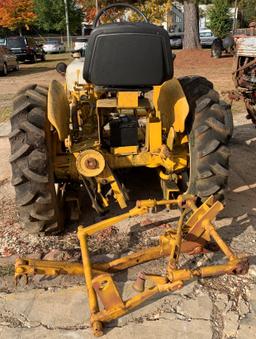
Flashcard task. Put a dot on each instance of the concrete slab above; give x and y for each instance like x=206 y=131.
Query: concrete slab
x=65 y=308
x=177 y=329
x=60 y=313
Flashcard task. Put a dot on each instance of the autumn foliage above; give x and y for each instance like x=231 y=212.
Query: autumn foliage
x=16 y=13
x=90 y=14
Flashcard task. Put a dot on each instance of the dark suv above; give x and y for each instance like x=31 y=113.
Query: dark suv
x=24 y=48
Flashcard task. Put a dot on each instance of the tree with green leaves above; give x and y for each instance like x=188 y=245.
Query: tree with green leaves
x=51 y=15
x=219 y=16
x=247 y=12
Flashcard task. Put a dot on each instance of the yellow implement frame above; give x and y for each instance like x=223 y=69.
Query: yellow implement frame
x=193 y=230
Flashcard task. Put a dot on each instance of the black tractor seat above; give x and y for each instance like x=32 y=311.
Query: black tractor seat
x=128 y=56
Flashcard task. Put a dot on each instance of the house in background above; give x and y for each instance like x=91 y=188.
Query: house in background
x=176 y=17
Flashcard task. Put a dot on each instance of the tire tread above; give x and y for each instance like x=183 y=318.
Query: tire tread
x=31 y=176
x=209 y=126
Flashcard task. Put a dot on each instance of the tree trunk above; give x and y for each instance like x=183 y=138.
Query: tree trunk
x=191 y=25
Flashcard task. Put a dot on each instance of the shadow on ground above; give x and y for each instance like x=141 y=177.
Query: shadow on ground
x=31 y=70
x=240 y=202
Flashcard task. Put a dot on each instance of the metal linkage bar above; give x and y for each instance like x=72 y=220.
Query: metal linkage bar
x=142 y=207
x=99 y=282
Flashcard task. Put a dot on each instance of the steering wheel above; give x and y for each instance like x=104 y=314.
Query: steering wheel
x=118 y=5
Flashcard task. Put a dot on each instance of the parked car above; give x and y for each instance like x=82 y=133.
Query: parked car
x=206 y=37
x=8 y=61
x=54 y=46
x=81 y=42
x=25 y=48
x=176 y=40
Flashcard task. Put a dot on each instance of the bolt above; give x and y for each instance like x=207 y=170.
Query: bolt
x=91 y=163
x=139 y=284
x=19 y=270
x=197 y=250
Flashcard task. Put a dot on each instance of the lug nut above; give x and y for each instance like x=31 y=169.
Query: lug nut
x=91 y=163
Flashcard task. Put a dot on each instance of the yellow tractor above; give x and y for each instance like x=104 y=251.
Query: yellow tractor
x=120 y=108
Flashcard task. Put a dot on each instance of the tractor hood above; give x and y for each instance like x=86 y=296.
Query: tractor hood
x=74 y=73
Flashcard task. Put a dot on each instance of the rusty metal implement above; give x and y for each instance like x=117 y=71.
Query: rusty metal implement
x=244 y=75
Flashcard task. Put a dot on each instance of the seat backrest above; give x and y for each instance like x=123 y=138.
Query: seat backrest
x=128 y=55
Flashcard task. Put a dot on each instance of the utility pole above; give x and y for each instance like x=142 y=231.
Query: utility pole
x=67 y=23
x=235 y=16
x=97 y=6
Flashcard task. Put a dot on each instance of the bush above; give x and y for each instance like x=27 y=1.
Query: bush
x=219 y=16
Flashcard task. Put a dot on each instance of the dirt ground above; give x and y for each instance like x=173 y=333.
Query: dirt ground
x=41 y=72
x=223 y=307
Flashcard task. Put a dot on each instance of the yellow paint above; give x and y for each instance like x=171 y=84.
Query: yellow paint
x=155 y=134
x=124 y=150
x=109 y=177
x=82 y=159
x=170 y=138
x=184 y=139
x=141 y=159
x=153 y=155
x=171 y=105
x=107 y=291
x=58 y=109
x=127 y=99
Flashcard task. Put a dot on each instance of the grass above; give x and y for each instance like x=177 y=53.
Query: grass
x=5 y=98
x=52 y=60
x=30 y=69
x=5 y=106
x=6 y=270
x=5 y=113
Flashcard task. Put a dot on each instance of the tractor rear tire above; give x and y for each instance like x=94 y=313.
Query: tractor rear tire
x=32 y=172
x=209 y=126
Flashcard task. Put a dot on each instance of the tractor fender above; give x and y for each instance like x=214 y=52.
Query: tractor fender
x=171 y=105
x=58 y=109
